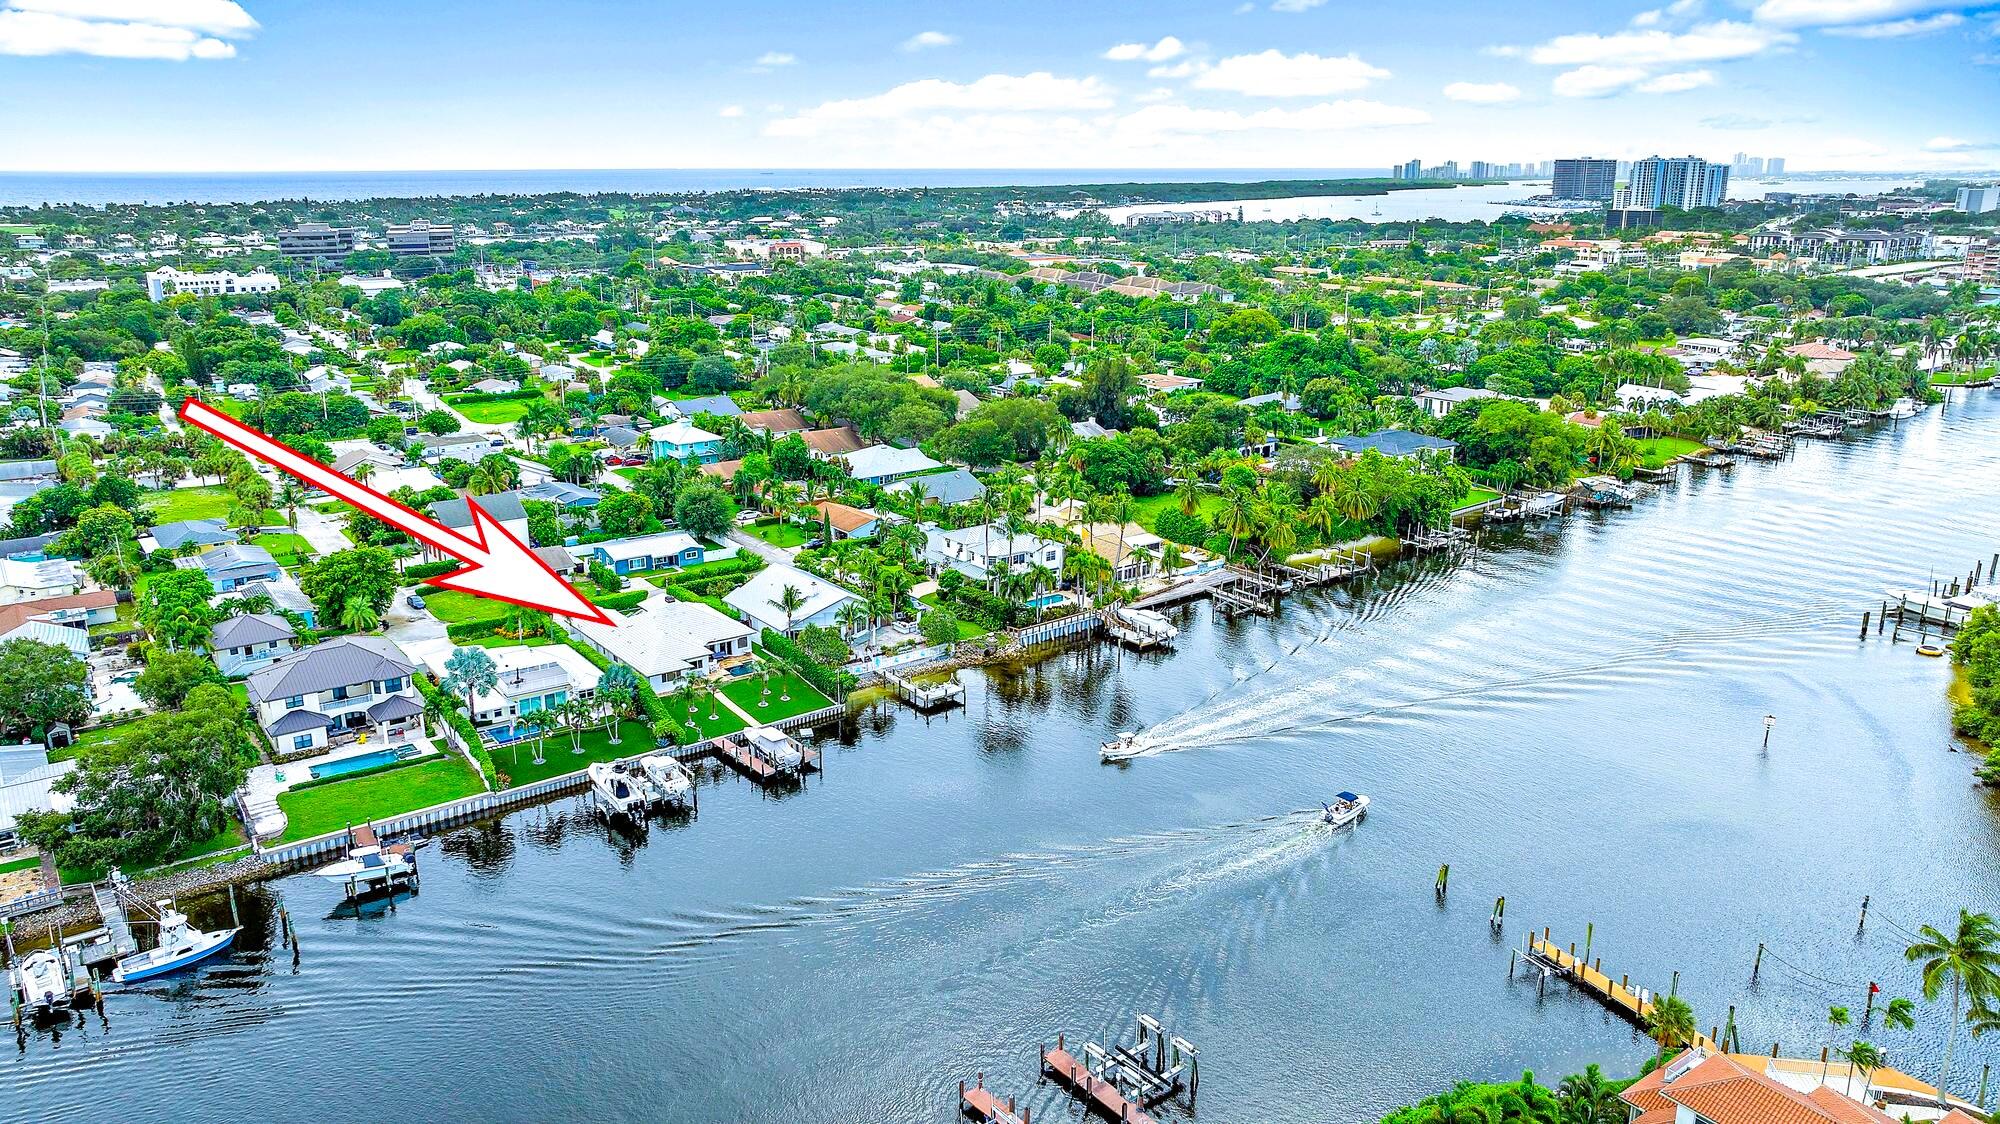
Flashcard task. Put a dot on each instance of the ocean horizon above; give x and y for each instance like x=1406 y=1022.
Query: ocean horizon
x=29 y=189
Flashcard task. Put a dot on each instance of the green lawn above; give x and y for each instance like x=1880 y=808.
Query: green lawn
x=724 y=722
x=212 y=502
x=1655 y=452
x=1148 y=509
x=1959 y=378
x=517 y=760
x=96 y=735
x=779 y=534
x=452 y=606
x=288 y=548
x=12 y=865
x=1476 y=497
x=629 y=472
x=502 y=412
x=330 y=807
x=749 y=690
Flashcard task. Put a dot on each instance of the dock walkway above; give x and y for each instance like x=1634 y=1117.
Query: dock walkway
x=1095 y=1091
x=1621 y=995
x=979 y=1103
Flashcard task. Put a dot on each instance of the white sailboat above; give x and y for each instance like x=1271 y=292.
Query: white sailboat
x=181 y=944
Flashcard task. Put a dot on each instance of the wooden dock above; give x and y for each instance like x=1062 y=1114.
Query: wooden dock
x=926 y=696
x=741 y=751
x=1096 y=1093
x=1621 y=995
x=979 y=1103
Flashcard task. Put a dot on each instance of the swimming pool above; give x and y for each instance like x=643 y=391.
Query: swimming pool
x=360 y=761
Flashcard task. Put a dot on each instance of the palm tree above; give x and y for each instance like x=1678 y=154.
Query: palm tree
x=1900 y=1014
x=1238 y=516
x=1968 y=960
x=1862 y=1056
x=791 y=600
x=1671 y=1021
x=1585 y=1098
x=357 y=614
x=852 y=618
x=1188 y=491
x=540 y=722
x=1355 y=497
x=616 y=690
x=574 y=714
x=1836 y=1017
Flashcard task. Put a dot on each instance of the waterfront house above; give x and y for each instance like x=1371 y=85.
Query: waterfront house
x=846 y=522
x=1701 y=1087
x=1133 y=551
x=249 y=641
x=37 y=579
x=948 y=488
x=685 y=441
x=335 y=690
x=980 y=551
x=530 y=680
x=202 y=533
x=758 y=600
x=647 y=552
x=881 y=464
x=229 y=567
x=1822 y=359
x=667 y=641
x=1396 y=443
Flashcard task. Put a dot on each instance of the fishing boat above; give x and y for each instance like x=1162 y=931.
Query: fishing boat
x=622 y=793
x=1124 y=747
x=671 y=781
x=41 y=981
x=368 y=862
x=1347 y=807
x=181 y=944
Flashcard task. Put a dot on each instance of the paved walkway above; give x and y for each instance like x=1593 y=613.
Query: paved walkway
x=759 y=547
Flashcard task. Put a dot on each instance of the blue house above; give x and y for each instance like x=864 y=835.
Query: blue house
x=686 y=441
x=230 y=567
x=649 y=552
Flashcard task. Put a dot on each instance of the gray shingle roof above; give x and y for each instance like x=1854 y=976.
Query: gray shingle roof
x=948 y=488
x=394 y=707
x=229 y=559
x=201 y=531
x=246 y=629
x=1394 y=442
x=502 y=506
x=337 y=663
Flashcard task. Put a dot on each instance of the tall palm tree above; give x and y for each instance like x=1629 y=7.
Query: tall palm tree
x=1900 y=1014
x=1864 y=1057
x=1968 y=961
x=852 y=618
x=1238 y=517
x=1836 y=1017
x=1671 y=1022
x=791 y=600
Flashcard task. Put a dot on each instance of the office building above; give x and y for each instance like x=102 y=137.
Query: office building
x=1585 y=178
x=1630 y=219
x=1686 y=182
x=166 y=281
x=316 y=241
x=1979 y=200
x=421 y=238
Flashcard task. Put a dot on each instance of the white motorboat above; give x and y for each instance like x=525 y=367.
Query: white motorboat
x=42 y=980
x=622 y=793
x=777 y=750
x=671 y=781
x=1347 y=807
x=1124 y=747
x=181 y=944
x=368 y=862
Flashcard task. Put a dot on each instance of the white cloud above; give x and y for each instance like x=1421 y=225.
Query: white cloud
x=1157 y=93
x=1274 y=74
x=777 y=58
x=171 y=30
x=1483 y=93
x=1835 y=13
x=730 y=111
x=1186 y=68
x=1706 y=43
x=924 y=40
x=995 y=93
x=1167 y=48
x=1595 y=81
x=1156 y=123
x=1898 y=29
x=1648 y=18
x=1677 y=83
x=1295 y=5
x=1954 y=144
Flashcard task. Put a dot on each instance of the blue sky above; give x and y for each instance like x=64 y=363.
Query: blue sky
x=275 y=85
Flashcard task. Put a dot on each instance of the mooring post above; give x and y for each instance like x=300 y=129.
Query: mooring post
x=1882 y=619
x=1985 y=1071
x=1868 y=1009
x=1512 y=956
x=1443 y=880
x=234 y=921
x=1864 y=914
x=1589 y=932
x=1674 y=988
x=1759 y=964
x=1864 y=624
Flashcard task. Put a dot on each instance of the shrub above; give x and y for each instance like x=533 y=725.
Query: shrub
x=831 y=682
x=1188 y=530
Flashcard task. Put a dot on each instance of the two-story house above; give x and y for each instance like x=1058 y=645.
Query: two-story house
x=334 y=690
x=648 y=552
x=230 y=567
x=980 y=551
x=687 y=442
x=249 y=641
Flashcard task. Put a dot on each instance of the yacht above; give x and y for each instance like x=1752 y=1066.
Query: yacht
x=181 y=944
x=622 y=793
x=41 y=980
x=1347 y=807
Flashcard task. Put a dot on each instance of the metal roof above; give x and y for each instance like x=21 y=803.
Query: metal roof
x=339 y=662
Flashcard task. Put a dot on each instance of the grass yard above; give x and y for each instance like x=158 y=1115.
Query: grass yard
x=517 y=760
x=453 y=607
x=234 y=407
x=212 y=502
x=779 y=534
x=1148 y=509
x=503 y=412
x=724 y=722
x=1960 y=378
x=1655 y=452
x=288 y=548
x=1476 y=497
x=24 y=863
x=330 y=807
x=749 y=690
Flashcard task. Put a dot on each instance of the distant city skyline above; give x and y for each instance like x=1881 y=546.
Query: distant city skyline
x=276 y=85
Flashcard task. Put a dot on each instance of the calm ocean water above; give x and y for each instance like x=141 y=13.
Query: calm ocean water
x=1570 y=716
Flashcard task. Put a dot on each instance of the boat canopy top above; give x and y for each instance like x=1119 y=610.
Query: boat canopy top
x=1347 y=796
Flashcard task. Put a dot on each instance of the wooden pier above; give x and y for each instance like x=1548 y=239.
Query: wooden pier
x=1621 y=995
x=927 y=696
x=979 y=1103
x=1524 y=506
x=1096 y=1093
x=748 y=753
x=1426 y=540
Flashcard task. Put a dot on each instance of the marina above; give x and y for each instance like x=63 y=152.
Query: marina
x=1025 y=892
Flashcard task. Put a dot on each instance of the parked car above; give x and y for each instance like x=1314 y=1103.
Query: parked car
x=414 y=601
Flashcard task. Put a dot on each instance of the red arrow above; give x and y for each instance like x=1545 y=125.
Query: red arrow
x=498 y=565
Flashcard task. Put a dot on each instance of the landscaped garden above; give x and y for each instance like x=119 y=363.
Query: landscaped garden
x=779 y=534
x=517 y=759
x=331 y=807
x=748 y=693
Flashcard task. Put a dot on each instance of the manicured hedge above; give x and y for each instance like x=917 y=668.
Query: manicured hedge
x=428 y=570
x=467 y=732
x=831 y=682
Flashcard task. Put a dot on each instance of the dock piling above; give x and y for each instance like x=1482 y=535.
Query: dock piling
x=1758 y=965
x=1443 y=880
x=1864 y=914
x=1864 y=624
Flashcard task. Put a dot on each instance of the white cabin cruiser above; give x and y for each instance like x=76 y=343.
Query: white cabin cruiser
x=671 y=781
x=1347 y=807
x=180 y=945
x=42 y=981
x=368 y=862
x=623 y=793
x=777 y=750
